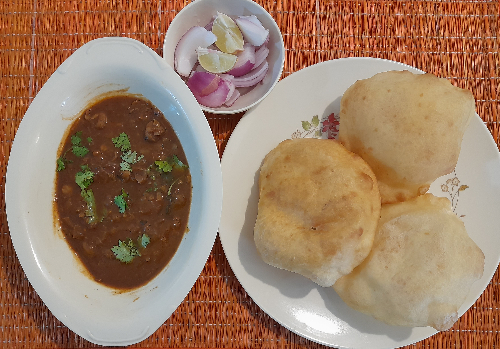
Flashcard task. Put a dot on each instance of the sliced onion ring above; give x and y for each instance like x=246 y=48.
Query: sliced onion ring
x=204 y=83
x=185 y=55
x=245 y=61
x=233 y=98
x=260 y=55
x=232 y=89
x=252 y=29
x=213 y=100
x=252 y=78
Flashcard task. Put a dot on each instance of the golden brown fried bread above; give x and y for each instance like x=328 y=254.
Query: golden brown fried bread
x=318 y=209
x=407 y=127
x=420 y=269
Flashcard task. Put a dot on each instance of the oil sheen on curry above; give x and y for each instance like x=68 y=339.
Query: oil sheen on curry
x=123 y=191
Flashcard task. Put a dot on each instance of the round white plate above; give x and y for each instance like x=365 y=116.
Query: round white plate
x=300 y=106
x=95 y=312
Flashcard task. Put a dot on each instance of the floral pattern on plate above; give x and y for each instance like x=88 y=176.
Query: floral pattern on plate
x=327 y=127
x=453 y=188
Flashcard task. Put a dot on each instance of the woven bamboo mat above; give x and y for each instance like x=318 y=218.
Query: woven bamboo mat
x=453 y=39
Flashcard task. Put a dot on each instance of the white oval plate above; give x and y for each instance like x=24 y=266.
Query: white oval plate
x=97 y=313
x=309 y=310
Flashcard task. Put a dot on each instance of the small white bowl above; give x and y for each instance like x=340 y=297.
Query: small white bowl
x=201 y=12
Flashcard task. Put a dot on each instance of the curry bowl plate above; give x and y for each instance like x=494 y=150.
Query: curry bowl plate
x=98 y=313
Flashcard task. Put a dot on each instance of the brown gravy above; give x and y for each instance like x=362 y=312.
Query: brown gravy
x=123 y=207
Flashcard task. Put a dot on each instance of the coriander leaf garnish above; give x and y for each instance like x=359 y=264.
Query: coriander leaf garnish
x=129 y=158
x=61 y=163
x=178 y=163
x=122 y=142
x=143 y=240
x=78 y=149
x=76 y=139
x=125 y=251
x=89 y=139
x=90 y=212
x=164 y=166
x=85 y=177
x=169 y=164
x=125 y=166
x=121 y=201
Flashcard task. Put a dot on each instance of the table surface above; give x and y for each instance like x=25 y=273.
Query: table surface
x=457 y=40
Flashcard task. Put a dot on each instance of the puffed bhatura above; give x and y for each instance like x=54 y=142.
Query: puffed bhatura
x=407 y=127
x=420 y=269
x=318 y=209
